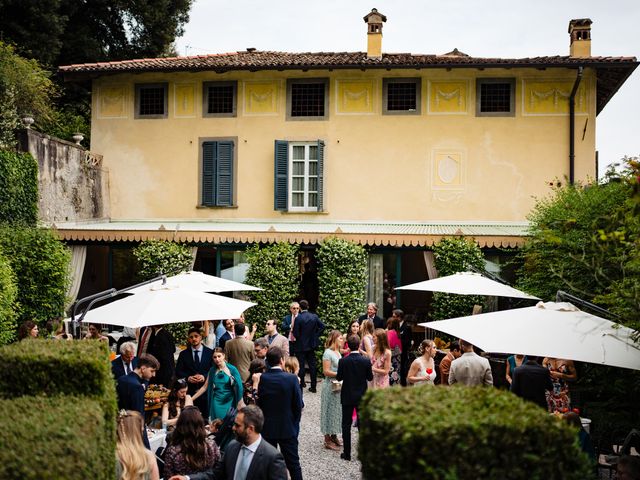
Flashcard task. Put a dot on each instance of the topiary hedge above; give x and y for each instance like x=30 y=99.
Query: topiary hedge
x=63 y=396
x=467 y=433
x=274 y=268
x=55 y=437
x=40 y=263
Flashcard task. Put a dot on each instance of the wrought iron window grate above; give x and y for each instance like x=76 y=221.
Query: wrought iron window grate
x=401 y=96
x=152 y=101
x=495 y=97
x=307 y=99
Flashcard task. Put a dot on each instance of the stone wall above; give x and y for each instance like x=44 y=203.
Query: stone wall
x=72 y=184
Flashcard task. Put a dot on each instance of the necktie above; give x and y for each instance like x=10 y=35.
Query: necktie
x=291 y=337
x=196 y=358
x=144 y=343
x=243 y=467
x=126 y=368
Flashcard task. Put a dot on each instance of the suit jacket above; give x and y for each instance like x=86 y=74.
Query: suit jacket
x=186 y=367
x=470 y=369
x=531 y=381
x=307 y=329
x=286 y=325
x=267 y=464
x=239 y=353
x=223 y=339
x=130 y=389
x=377 y=321
x=406 y=335
x=354 y=370
x=279 y=341
x=162 y=346
x=445 y=367
x=117 y=366
x=280 y=398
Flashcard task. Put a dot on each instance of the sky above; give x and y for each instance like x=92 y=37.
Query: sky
x=489 y=28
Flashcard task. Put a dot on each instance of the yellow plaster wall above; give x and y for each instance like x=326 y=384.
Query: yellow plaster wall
x=444 y=164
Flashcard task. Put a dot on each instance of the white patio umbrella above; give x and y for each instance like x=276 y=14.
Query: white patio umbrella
x=198 y=281
x=549 y=329
x=156 y=305
x=468 y=283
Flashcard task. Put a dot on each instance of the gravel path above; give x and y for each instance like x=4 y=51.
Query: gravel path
x=317 y=462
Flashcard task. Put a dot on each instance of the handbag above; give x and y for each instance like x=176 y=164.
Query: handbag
x=336 y=386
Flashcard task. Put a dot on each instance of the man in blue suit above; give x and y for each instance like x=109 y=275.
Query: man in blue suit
x=280 y=399
x=193 y=365
x=131 y=388
x=354 y=370
x=126 y=362
x=306 y=330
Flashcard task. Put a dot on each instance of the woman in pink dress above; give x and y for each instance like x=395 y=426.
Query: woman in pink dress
x=366 y=338
x=380 y=359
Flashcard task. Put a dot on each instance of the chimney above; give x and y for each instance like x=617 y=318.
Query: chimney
x=580 y=37
x=374 y=33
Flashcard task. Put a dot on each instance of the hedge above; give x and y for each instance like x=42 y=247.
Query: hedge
x=460 y=432
x=40 y=263
x=18 y=188
x=54 y=437
x=8 y=295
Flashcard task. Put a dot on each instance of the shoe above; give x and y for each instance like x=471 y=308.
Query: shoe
x=344 y=457
x=331 y=446
x=303 y=385
x=312 y=390
x=336 y=441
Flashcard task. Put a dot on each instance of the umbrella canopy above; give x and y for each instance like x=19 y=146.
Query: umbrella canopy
x=468 y=283
x=558 y=330
x=157 y=305
x=198 y=281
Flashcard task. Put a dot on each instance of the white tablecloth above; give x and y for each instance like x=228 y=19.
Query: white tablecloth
x=157 y=439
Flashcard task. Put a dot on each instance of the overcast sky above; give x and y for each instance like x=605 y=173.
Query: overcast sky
x=489 y=28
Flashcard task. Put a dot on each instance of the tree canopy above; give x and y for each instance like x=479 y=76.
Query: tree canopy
x=61 y=32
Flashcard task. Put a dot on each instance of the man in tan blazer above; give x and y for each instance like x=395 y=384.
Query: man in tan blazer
x=275 y=339
x=470 y=369
x=239 y=351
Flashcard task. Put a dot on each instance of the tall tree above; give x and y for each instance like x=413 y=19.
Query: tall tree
x=60 y=32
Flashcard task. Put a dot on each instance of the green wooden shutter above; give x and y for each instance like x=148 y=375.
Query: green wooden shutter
x=320 y=176
x=209 y=153
x=281 y=175
x=224 y=174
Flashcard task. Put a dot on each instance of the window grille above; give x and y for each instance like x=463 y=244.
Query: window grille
x=151 y=100
x=308 y=99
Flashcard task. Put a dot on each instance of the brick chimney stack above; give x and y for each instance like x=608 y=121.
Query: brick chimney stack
x=374 y=22
x=580 y=37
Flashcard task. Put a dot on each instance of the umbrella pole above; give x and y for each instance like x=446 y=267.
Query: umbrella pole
x=564 y=296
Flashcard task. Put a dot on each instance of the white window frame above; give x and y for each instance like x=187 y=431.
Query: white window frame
x=307 y=161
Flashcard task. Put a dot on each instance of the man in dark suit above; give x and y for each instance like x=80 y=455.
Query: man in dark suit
x=372 y=314
x=258 y=459
x=157 y=341
x=126 y=362
x=228 y=334
x=287 y=324
x=406 y=339
x=130 y=388
x=353 y=370
x=280 y=399
x=531 y=380
x=306 y=330
x=193 y=365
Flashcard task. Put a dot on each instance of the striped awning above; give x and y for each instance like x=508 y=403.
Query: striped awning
x=393 y=234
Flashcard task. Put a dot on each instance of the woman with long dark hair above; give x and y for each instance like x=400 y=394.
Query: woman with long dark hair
x=177 y=401
x=28 y=329
x=191 y=450
x=223 y=386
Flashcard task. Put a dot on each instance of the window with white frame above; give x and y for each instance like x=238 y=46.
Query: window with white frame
x=298 y=182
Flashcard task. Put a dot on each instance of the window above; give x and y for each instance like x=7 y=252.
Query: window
x=495 y=97
x=308 y=99
x=401 y=96
x=217 y=173
x=299 y=182
x=151 y=100
x=219 y=99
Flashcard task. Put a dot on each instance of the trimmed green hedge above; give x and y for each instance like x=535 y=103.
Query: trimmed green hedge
x=36 y=369
x=54 y=437
x=466 y=433
x=8 y=295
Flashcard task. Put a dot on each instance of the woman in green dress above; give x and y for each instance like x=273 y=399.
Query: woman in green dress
x=223 y=386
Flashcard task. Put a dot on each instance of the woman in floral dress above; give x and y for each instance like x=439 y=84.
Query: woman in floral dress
x=330 y=406
x=561 y=371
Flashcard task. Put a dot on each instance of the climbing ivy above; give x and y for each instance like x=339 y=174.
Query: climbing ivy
x=18 y=188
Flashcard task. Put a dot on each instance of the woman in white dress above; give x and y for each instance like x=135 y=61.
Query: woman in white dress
x=422 y=370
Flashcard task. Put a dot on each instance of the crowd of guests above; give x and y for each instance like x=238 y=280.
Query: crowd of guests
x=236 y=401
